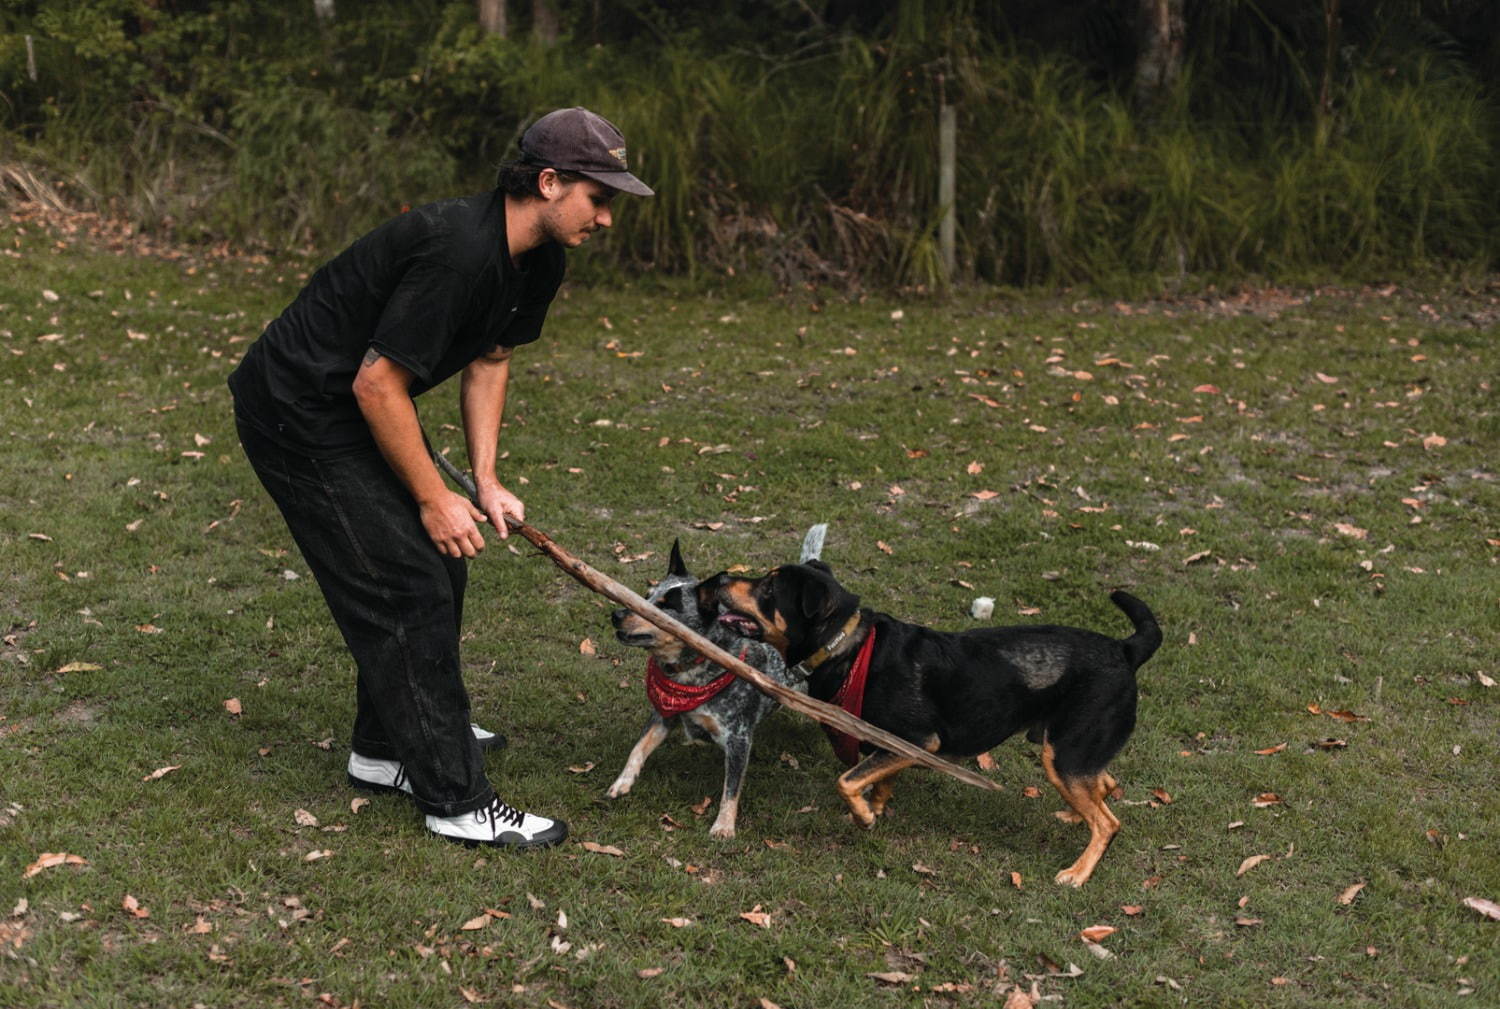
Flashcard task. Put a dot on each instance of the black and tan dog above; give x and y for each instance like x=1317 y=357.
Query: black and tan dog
x=707 y=700
x=957 y=694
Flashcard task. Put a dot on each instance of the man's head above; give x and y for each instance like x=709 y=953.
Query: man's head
x=573 y=161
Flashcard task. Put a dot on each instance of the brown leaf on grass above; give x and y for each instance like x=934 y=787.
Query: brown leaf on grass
x=200 y=926
x=1342 y=715
x=1433 y=441
x=756 y=916
x=1326 y=379
x=700 y=808
x=470 y=995
x=162 y=772
x=1331 y=744
x=892 y=976
x=1162 y=796
x=234 y=707
x=603 y=849
x=647 y=973
x=1133 y=910
x=1488 y=908
x=133 y=907
x=1244 y=922
x=1250 y=863
x=1018 y=999
x=678 y=922
x=1350 y=892
x=79 y=667
x=586 y=647
x=986 y=762
x=355 y=805
x=1270 y=750
x=304 y=818
x=476 y=923
x=1095 y=933
x=975 y=468
x=313 y=856
x=1195 y=558
x=49 y=859
x=1345 y=529
x=923 y=870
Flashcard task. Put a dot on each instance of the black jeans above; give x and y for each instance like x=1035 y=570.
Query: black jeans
x=399 y=604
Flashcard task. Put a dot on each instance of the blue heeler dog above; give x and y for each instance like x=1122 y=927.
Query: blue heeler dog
x=708 y=701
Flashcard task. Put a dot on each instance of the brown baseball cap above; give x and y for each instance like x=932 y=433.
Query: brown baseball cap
x=577 y=140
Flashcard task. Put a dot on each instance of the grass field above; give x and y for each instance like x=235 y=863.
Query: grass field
x=1303 y=485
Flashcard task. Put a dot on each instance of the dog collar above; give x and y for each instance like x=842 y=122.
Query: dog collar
x=822 y=655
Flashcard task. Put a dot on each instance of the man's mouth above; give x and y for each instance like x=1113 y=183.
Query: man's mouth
x=742 y=625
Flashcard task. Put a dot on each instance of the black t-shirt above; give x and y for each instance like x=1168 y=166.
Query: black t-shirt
x=432 y=290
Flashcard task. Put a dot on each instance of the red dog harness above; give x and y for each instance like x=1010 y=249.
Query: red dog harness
x=670 y=698
x=851 y=697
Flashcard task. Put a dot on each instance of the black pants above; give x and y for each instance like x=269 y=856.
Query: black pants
x=398 y=603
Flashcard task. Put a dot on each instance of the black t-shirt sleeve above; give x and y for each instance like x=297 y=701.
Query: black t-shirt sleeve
x=421 y=317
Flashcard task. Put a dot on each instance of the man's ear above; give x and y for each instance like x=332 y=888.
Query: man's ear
x=549 y=184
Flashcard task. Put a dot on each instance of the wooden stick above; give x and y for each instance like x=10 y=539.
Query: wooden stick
x=813 y=708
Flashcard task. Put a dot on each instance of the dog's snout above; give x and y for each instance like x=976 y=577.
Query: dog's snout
x=617 y=617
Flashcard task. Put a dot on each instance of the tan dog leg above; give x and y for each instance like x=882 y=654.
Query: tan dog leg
x=1086 y=796
x=872 y=772
x=649 y=741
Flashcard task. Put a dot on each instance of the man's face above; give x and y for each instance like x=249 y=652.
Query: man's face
x=574 y=210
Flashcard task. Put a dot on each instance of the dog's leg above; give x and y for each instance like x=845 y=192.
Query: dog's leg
x=880 y=794
x=736 y=760
x=1086 y=795
x=656 y=731
x=872 y=772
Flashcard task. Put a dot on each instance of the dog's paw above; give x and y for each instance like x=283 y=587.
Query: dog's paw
x=618 y=789
x=1071 y=876
x=721 y=831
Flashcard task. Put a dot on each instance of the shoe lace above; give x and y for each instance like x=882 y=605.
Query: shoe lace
x=499 y=810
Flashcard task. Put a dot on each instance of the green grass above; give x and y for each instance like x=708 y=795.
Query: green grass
x=734 y=423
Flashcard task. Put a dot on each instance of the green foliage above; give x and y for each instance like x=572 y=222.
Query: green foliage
x=807 y=154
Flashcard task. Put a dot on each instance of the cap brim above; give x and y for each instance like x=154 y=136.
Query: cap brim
x=623 y=181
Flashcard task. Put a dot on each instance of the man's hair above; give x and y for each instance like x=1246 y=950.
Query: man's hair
x=519 y=179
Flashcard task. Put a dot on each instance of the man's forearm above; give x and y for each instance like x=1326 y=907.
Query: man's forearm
x=382 y=395
x=482 y=401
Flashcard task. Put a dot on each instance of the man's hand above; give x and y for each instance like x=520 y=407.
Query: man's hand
x=497 y=503
x=451 y=521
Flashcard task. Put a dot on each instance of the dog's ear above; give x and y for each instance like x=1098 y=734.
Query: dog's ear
x=675 y=566
x=819 y=594
x=708 y=592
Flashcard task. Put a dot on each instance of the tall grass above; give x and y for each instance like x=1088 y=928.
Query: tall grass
x=813 y=167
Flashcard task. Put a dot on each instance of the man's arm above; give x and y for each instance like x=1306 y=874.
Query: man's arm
x=482 y=400
x=382 y=389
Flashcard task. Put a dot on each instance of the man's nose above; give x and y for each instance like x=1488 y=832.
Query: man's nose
x=603 y=218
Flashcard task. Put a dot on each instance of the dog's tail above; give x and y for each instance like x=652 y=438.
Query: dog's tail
x=1141 y=645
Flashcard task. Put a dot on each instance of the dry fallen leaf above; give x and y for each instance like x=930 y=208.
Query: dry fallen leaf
x=1094 y=933
x=1017 y=999
x=313 y=856
x=476 y=923
x=304 y=818
x=133 y=907
x=678 y=922
x=756 y=916
x=79 y=667
x=1250 y=863
x=470 y=995
x=646 y=973
x=200 y=926
x=892 y=976
x=1015 y=880
x=1347 y=897
x=1265 y=799
x=162 y=772
x=233 y=706
x=355 y=805
x=586 y=647
x=603 y=849
x=1270 y=750
x=1488 y=908
x=49 y=859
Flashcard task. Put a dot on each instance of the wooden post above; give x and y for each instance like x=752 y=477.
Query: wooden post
x=947 y=176
x=799 y=702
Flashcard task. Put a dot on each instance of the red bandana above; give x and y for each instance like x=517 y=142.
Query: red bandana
x=670 y=698
x=851 y=697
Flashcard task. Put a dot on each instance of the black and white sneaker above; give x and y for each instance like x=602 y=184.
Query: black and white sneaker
x=486 y=739
x=370 y=774
x=499 y=825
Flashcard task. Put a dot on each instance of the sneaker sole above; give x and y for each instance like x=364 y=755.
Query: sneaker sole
x=541 y=841
x=370 y=786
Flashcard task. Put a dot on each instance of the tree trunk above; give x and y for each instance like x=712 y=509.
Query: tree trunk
x=1332 y=23
x=492 y=17
x=1160 y=32
x=544 y=22
x=323 y=9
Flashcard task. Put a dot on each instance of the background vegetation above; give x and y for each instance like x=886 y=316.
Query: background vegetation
x=796 y=139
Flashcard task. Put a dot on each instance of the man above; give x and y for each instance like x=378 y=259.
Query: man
x=325 y=411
